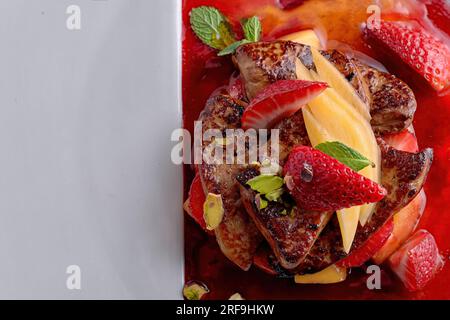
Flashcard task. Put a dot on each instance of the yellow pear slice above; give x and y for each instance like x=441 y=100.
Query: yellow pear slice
x=308 y=37
x=332 y=274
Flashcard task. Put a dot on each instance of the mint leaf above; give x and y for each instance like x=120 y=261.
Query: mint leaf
x=265 y=184
x=346 y=155
x=252 y=29
x=232 y=48
x=210 y=25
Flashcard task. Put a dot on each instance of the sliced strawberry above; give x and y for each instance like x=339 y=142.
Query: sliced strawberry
x=290 y=4
x=439 y=13
x=261 y=260
x=278 y=101
x=376 y=241
x=417 y=261
x=195 y=202
x=321 y=183
x=236 y=88
x=405 y=222
x=423 y=52
x=403 y=141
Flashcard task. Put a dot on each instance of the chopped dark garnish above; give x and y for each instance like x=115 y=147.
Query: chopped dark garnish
x=248 y=174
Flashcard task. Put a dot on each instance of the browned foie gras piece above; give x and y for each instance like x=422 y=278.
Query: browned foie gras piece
x=392 y=102
x=236 y=235
x=263 y=63
x=290 y=235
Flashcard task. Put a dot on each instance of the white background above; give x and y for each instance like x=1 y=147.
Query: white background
x=85 y=171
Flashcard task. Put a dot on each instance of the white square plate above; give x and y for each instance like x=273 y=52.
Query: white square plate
x=85 y=123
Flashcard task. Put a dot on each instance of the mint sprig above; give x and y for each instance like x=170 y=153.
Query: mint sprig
x=346 y=155
x=211 y=26
x=232 y=48
x=213 y=29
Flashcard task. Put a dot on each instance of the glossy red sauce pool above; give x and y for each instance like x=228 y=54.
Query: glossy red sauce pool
x=204 y=72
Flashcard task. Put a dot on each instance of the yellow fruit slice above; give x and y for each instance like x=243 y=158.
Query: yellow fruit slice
x=308 y=37
x=339 y=115
x=328 y=73
x=317 y=133
x=332 y=274
x=348 y=223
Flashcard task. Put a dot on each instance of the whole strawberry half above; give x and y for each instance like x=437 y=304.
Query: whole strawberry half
x=278 y=101
x=321 y=183
x=376 y=241
x=417 y=261
x=423 y=52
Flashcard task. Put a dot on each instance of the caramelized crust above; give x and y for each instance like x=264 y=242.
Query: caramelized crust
x=262 y=63
x=292 y=132
x=392 y=102
x=403 y=176
x=237 y=235
x=290 y=235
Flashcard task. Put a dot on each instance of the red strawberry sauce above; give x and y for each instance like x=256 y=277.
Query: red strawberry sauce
x=204 y=72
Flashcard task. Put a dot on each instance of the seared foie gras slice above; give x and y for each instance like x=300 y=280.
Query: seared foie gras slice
x=290 y=234
x=327 y=250
x=403 y=175
x=262 y=63
x=392 y=102
x=236 y=235
x=348 y=69
x=292 y=132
